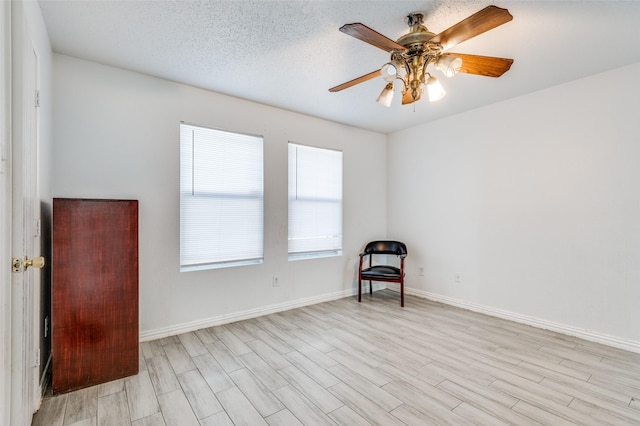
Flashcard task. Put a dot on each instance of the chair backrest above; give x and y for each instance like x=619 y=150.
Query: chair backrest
x=386 y=247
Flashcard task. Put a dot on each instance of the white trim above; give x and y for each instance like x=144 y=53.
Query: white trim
x=512 y=316
x=5 y=213
x=252 y=313
x=591 y=336
x=239 y=316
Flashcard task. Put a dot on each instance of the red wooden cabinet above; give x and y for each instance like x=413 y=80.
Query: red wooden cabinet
x=95 y=291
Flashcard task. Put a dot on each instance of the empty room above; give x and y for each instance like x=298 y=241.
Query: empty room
x=314 y=212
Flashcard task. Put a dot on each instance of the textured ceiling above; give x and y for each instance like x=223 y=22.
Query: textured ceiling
x=289 y=53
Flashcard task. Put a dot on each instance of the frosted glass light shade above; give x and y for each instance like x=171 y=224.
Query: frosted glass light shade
x=392 y=70
x=386 y=96
x=435 y=89
x=389 y=72
x=449 y=65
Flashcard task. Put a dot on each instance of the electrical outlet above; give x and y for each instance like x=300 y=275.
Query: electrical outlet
x=276 y=281
x=458 y=277
x=421 y=271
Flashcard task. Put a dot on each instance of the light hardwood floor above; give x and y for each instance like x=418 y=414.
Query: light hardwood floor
x=350 y=363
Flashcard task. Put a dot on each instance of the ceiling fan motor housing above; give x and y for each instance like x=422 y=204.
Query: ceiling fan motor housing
x=418 y=33
x=419 y=52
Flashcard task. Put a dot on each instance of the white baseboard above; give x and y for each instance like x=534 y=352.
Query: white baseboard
x=591 y=336
x=604 y=339
x=252 y=313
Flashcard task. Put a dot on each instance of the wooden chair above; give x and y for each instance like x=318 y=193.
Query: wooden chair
x=384 y=273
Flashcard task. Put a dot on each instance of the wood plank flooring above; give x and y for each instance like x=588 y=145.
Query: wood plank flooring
x=369 y=363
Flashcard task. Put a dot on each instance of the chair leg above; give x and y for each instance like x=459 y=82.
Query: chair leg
x=402 y=294
x=371 y=288
x=359 y=289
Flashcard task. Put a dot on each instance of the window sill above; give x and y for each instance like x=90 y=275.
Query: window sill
x=203 y=267
x=314 y=255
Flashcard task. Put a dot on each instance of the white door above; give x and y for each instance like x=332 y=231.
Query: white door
x=25 y=226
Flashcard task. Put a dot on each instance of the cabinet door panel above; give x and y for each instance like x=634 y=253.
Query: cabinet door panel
x=95 y=291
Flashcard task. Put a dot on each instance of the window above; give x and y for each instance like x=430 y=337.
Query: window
x=315 y=202
x=221 y=198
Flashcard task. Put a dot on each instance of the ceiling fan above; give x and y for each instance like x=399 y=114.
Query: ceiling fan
x=414 y=51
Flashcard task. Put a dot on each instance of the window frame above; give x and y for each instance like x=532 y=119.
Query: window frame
x=219 y=200
x=294 y=255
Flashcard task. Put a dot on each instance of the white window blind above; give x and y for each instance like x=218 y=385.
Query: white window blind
x=315 y=202
x=221 y=198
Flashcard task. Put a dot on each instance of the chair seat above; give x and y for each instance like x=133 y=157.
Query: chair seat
x=381 y=272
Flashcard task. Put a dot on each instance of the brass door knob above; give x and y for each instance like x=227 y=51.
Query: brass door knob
x=36 y=262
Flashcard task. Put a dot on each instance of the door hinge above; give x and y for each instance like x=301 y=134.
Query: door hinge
x=37 y=99
x=16 y=264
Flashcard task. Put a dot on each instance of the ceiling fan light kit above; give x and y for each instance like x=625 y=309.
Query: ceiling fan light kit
x=412 y=53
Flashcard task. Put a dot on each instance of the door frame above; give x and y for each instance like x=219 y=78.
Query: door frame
x=5 y=212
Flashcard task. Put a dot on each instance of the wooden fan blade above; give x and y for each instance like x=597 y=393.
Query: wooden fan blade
x=408 y=99
x=483 y=65
x=366 y=34
x=355 y=81
x=476 y=24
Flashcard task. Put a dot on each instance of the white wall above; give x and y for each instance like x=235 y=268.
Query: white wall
x=116 y=135
x=535 y=201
